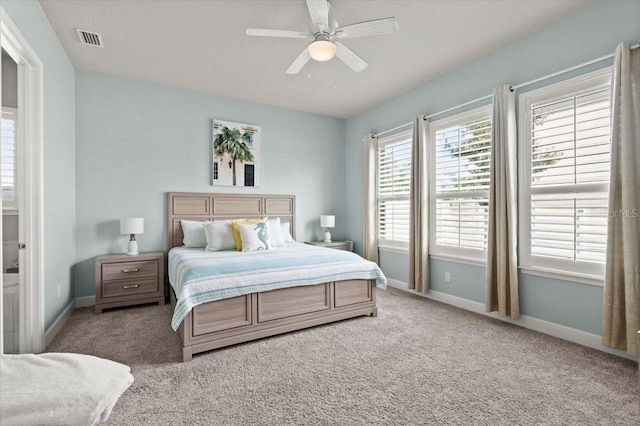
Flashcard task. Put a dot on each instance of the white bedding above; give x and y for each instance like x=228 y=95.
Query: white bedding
x=59 y=389
x=198 y=276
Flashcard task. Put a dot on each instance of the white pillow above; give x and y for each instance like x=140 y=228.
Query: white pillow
x=275 y=234
x=219 y=235
x=254 y=236
x=193 y=232
x=286 y=233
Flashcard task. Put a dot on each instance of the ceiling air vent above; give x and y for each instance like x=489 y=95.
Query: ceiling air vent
x=87 y=37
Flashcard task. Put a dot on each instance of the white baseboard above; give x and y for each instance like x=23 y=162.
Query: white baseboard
x=59 y=322
x=86 y=301
x=552 y=329
x=398 y=284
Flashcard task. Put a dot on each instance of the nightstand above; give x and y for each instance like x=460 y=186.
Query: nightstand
x=338 y=245
x=123 y=280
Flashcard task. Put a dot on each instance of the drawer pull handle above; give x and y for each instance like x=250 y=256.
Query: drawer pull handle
x=131 y=286
x=126 y=271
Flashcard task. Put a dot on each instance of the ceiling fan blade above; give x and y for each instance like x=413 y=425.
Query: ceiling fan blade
x=368 y=28
x=276 y=33
x=299 y=62
x=350 y=58
x=319 y=11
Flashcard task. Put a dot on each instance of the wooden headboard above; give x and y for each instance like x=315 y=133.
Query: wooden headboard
x=206 y=206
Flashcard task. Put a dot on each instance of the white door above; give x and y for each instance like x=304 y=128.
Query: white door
x=29 y=182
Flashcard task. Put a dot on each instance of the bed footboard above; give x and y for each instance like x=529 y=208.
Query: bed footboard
x=254 y=316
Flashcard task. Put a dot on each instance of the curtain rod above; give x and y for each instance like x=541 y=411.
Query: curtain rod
x=426 y=117
x=458 y=106
x=582 y=65
x=393 y=129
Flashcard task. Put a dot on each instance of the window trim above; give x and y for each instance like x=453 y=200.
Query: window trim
x=454 y=254
x=573 y=277
x=393 y=246
x=385 y=244
x=458 y=259
x=567 y=270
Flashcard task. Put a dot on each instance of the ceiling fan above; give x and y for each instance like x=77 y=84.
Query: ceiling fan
x=325 y=34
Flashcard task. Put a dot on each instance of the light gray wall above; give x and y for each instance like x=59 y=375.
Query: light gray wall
x=395 y=265
x=137 y=141
x=9 y=81
x=467 y=281
x=589 y=34
x=59 y=152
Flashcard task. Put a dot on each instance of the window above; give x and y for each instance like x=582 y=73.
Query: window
x=9 y=159
x=460 y=163
x=249 y=140
x=565 y=163
x=215 y=170
x=393 y=190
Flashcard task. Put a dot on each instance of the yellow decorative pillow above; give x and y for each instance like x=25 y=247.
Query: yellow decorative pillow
x=236 y=231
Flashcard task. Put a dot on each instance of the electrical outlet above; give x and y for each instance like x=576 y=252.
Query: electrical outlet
x=447 y=277
x=59 y=288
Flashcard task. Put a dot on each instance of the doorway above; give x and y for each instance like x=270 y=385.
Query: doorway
x=28 y=183
x=10 y=216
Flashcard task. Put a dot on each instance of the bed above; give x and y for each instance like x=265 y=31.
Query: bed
x=206 y=319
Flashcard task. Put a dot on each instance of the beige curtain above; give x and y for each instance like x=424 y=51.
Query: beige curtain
x=419 y=223
x=502 y=261
x=370 y=207
x=621 y=313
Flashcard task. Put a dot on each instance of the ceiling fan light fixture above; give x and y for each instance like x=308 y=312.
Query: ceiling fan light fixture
x=323 y=31
x=322 y=50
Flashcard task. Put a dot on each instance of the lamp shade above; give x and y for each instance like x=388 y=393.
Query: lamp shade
x=322 y=50
x=327 y=221
x=132 y=225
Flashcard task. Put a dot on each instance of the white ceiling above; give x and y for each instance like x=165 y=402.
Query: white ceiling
x=202 y=45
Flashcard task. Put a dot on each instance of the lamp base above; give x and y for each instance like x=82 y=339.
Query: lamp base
x=132 y=249
x=327 y=236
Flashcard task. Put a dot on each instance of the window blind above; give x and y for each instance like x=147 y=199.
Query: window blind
x=8 y=158
x=394 y=186
x=569 y=160
x=462 y=161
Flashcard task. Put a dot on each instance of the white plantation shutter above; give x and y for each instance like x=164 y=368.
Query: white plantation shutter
x=567 y=131
x=461 y=161
x=394 y=182
x=9 y=157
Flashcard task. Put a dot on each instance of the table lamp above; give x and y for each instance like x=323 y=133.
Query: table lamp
x=132 y=226
x=327 y=221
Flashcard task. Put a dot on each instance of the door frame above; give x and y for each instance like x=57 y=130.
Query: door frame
x=30 y=184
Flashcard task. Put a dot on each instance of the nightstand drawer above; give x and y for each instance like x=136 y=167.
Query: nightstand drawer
x=129 y=270
x=128 y=287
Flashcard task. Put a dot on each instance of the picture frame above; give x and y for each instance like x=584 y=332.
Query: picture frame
x=236 y=149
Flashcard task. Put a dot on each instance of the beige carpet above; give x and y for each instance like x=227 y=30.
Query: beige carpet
x=418 y=362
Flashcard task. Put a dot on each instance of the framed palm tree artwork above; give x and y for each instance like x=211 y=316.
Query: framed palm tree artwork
x=236 y=154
